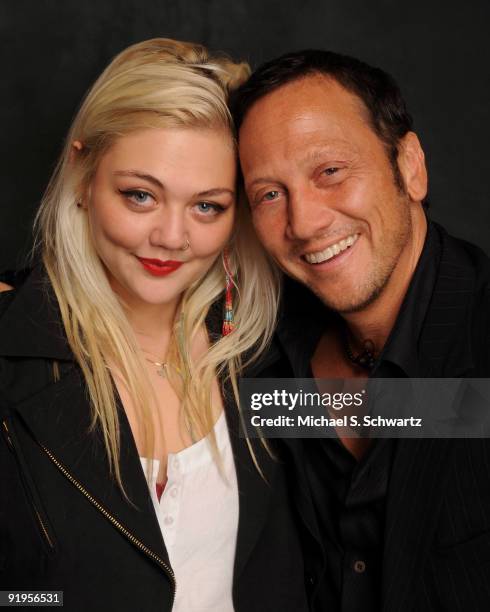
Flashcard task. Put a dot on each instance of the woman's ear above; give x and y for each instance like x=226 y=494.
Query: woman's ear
x=76 y=147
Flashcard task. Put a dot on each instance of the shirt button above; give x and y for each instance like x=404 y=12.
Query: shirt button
x=359 y=567
x=176 y=464
x=173 y=492
x=168 y=520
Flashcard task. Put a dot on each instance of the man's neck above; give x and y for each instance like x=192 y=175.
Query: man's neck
x=376 y=321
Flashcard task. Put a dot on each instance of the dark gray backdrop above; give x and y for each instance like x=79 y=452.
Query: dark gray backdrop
x=438 y=51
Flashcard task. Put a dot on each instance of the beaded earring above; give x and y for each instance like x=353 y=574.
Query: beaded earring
x=228 y=322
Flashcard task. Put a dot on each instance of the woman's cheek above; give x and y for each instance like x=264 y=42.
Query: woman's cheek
x=118 y=229
x=209 y=240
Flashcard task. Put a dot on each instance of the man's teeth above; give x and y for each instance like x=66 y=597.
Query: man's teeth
x=331 y=251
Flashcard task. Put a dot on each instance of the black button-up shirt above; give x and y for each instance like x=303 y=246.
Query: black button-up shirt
x=350 y=495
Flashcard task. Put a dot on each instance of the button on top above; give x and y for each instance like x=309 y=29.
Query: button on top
x=359 y=566
x=176 y=463
x=168 y=520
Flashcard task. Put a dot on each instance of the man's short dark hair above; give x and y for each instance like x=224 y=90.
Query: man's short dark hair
x=387 y=111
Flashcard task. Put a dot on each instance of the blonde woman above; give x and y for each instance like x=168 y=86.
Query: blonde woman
x=125 y=483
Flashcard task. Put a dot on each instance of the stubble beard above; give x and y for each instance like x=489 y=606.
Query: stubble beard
x=367 y=292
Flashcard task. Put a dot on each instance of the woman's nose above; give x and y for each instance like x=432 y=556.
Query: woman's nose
x=169 y=230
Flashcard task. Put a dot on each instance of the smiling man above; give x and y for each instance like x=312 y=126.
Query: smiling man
x=336 y=181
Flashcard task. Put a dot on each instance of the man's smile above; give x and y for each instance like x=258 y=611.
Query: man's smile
x=331 y=251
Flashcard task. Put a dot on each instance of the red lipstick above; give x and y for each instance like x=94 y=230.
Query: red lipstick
x=157 y=267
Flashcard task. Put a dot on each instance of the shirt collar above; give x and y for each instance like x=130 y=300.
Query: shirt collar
x=401 y=348
x=302 y=321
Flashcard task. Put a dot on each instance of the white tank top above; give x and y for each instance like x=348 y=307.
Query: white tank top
x=198 y=516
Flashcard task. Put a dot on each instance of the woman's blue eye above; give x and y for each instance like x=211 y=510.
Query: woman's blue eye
x=140 y=196
x=136 y=196
x=208 y=208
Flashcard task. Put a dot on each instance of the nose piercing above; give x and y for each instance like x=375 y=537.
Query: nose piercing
x=186 y=245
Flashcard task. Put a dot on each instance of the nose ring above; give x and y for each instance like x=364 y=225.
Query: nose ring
x=186 y=245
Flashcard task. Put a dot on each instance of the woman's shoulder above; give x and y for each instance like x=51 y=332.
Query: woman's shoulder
x=4 y=287
x=7 y=293
x=10 y=280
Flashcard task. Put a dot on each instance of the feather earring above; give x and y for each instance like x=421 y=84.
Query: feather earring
x=228 y=318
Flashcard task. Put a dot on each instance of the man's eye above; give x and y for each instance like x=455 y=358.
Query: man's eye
x=330 y=171
x=270 y=195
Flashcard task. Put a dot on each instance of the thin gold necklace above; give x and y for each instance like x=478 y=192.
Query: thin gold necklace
x=161 y=367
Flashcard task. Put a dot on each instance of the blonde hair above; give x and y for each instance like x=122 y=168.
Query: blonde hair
x=153 y=84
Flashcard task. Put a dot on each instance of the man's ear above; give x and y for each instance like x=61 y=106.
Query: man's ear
x=76 y=147
x=411 y=162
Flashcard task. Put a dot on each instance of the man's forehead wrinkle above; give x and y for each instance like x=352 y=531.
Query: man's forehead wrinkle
x=337 y=148
x=313 y=145
x=303 y=129
x=287 y=123
x=280 y=125
x=329 y=126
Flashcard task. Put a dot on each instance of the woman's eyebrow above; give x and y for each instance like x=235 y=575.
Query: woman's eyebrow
x=141 y=175
x=215 y=192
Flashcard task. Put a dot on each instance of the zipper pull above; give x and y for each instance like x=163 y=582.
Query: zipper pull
x=6 y=434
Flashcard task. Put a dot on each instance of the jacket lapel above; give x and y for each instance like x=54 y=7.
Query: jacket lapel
x=445 y=343
x=254 y=491
x=419 y=474
x=302 y=497
x=58 y=418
